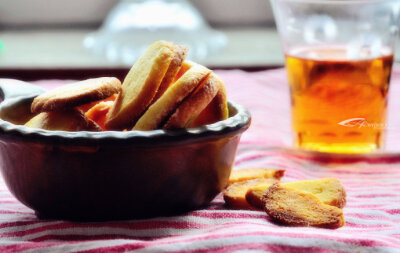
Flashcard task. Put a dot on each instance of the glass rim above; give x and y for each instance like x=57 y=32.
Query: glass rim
x=335 y=2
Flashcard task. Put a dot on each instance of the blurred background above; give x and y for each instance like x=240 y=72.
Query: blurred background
x=103 y=35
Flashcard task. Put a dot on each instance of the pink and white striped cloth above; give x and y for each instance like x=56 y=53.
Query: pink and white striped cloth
x=372 y=212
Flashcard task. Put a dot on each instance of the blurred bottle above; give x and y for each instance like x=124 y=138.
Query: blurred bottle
x=134 y=24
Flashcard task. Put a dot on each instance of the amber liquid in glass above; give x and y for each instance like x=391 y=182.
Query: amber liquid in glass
x=338 y=105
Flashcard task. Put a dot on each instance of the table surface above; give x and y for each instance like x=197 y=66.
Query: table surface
x=372 y=212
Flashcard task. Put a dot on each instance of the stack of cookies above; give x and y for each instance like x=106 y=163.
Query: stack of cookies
x=316 y=203
x=161 y=91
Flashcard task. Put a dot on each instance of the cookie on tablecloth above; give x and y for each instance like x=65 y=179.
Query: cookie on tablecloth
x=292 y=207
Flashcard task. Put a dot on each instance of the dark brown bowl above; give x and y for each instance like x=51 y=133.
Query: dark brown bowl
x=112 y=175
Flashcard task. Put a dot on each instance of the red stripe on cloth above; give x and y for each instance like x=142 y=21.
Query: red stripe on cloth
x=393 y=211
x=20 y=223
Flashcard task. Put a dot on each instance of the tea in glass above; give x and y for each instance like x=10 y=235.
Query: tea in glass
x=339 y=56
x=338 y=105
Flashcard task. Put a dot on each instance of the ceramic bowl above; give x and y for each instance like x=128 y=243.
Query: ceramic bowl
x=112 y=175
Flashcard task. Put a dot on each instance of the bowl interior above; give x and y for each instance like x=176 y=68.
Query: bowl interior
x=15 y=112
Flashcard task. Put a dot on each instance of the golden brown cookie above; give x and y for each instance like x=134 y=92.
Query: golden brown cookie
x=255 y=195
x=186 y=65
x=191 y=107
x=68 y=120
x=252 y=173
x=180 y=53
x=75 y=94
x=295 y=208
x=235 y=194
x=162 y=109
x=140 y=85
x=215 y=111
x=329 y=190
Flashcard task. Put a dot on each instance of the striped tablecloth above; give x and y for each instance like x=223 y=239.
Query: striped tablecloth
x=372 y=213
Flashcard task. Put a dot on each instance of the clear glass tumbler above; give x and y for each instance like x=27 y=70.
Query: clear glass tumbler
x=339 y=56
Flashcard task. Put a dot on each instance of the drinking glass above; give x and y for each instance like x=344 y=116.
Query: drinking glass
x=339 y=56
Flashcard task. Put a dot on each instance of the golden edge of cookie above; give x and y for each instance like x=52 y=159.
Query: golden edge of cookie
x=224 y=101
x=186 y=65
x=236 y=202
x=180 y=53
x=341 y=200
x=235 y=194
x=76 y=94
x=158 y=112
x=252 y=173
x=191 y=107
x=255 y=196
x=216 y=110
x=140 y=86
x=333 y=215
